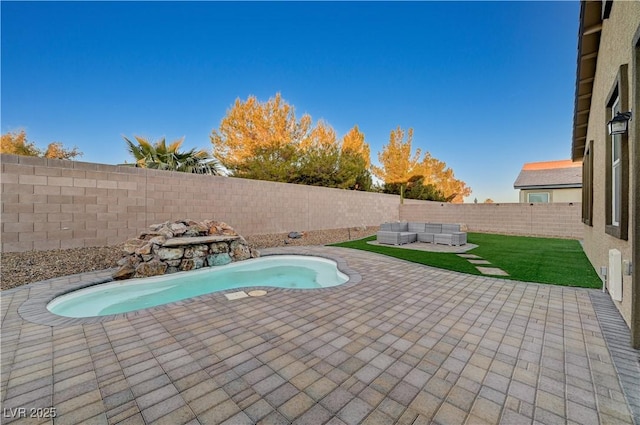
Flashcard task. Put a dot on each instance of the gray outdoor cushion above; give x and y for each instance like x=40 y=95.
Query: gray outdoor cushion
x=450 y=228
x=399 y=227
x=443 y=238
x=459 y=238
x=416 y=227
x=385 y=227
x=433 y=228
x=389 y=238
x=395 y=238
x=399 y=233
x=425 y=237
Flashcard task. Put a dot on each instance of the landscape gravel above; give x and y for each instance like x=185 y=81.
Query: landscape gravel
x=20 y=268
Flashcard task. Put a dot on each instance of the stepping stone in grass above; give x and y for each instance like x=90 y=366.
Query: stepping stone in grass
x=479 y=262
x=494 y=271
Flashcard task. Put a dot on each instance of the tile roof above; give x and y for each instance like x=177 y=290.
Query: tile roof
x=550 y=174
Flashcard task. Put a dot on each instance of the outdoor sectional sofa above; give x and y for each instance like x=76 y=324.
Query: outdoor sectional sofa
x=403 y=233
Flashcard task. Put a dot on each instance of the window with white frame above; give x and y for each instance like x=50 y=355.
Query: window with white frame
x=587 y=184
x=616 y=161
x=542 y=197
x=616 y=169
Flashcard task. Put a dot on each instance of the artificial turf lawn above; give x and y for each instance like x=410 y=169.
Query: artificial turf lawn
x=528 y=259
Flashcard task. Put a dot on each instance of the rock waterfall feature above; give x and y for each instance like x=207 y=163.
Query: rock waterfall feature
x=182 y=245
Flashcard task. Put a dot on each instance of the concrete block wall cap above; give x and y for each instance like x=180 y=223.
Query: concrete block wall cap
x=198 y=240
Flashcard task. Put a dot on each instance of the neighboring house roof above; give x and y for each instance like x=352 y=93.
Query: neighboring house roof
x=550 y=175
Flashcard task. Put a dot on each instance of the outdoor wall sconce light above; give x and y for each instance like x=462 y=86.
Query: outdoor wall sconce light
x=620 y=123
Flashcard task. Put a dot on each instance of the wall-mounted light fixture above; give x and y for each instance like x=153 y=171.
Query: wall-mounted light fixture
x=620 y=123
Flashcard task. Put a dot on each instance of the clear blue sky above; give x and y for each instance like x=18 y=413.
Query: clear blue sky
x=486 y=86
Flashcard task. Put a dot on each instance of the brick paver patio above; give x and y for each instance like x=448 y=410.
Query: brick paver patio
x=402 y=343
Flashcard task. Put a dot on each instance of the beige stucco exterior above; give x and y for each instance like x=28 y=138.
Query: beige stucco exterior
x=555 y=195
x=618 y=47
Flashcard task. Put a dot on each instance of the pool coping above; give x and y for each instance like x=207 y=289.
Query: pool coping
x=34 y=308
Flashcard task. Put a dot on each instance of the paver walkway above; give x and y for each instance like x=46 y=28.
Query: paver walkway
x=402 y=343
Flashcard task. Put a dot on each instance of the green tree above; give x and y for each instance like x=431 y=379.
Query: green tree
x=355 y=160
x=325 y=162
x=272 y=163
x=318 y=164
x=352 y=172
x=318 y=167
x=416 y=189
x=162 y=157
x=329 y=167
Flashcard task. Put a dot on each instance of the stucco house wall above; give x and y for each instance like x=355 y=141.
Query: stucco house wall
x=567 y=195
x=617 y=47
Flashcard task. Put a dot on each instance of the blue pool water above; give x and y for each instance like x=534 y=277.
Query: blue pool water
x=280 y=271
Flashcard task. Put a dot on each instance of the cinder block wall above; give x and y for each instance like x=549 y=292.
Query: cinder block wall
x=553 y=220
x=51 y=204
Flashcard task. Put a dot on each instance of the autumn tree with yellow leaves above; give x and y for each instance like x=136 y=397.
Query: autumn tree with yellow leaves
x=398 y=165
x=353 y=142
x=16 y=143
x=260 y=140
x=407 y=174
x=436 y=173
x=265 y=141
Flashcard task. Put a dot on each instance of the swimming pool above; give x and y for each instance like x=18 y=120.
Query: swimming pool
x=279 y=271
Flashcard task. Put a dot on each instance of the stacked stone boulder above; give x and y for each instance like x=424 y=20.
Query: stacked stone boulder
x=182 y=245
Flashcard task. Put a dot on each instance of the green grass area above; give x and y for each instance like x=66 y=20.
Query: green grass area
x=528 y=259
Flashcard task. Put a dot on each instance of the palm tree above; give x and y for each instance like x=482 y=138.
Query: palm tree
x=162 y=157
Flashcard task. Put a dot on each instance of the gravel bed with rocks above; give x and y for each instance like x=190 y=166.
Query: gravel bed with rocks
x=20 y=268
